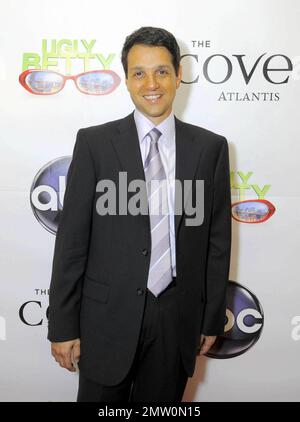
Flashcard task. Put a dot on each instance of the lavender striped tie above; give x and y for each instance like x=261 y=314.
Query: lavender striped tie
x=160 y=271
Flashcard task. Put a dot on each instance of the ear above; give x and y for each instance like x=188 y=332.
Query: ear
x=126 y=81
x=179 y=77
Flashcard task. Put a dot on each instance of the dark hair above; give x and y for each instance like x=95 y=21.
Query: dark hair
x=150 y=35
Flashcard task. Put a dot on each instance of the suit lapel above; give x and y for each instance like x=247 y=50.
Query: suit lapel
x=127 y=147
x=188 y=153
x=126 y=144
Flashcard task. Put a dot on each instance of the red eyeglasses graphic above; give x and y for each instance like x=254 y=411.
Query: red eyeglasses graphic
x=49 y=82
x=252 y=211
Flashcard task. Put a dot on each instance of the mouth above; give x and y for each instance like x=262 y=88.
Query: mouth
x=153 y=99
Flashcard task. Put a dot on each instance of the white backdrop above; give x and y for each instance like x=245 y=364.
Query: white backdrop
x=263 y=135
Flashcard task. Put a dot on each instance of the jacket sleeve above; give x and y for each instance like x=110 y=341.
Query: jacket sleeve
x=71 y=245
x=219 y=249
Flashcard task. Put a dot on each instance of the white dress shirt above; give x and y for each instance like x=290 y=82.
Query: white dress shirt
x=166 y=146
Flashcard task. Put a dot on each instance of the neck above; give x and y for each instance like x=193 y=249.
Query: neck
x=159 y=119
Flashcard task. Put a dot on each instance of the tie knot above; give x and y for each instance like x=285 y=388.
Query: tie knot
x=154 y=135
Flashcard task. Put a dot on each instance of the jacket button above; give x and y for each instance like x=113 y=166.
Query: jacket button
x=140 y=292
x=145 y=252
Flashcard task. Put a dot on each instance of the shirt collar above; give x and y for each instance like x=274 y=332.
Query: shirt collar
x=144 y=125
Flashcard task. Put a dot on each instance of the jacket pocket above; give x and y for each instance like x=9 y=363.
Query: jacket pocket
x=95 y=290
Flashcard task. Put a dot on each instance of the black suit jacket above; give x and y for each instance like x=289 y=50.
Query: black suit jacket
x=101 y=263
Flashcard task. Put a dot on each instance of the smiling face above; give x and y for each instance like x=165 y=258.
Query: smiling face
x=152 y=81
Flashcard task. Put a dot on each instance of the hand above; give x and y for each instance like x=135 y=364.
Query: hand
x=206 y=343
x=66 y=353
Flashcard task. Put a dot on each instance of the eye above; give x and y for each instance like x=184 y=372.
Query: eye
x=138 y=74
x=252 y=211
x=163 y=72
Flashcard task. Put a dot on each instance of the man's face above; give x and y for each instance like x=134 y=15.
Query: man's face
x=152 y=81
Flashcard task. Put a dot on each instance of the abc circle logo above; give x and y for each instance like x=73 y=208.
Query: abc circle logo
x=47 y=192
x=244 y=323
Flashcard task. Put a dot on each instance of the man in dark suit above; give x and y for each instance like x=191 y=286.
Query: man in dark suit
x=136 y=296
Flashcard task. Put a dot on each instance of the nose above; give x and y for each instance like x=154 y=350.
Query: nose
x=152 y=82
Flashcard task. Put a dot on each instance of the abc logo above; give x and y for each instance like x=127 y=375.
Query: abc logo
x=47 y=192
x=244 y=323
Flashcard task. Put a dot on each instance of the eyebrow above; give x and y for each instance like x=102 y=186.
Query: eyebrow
x=161 y=66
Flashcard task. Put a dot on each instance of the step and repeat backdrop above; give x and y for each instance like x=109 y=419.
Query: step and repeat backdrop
x=241 y=79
